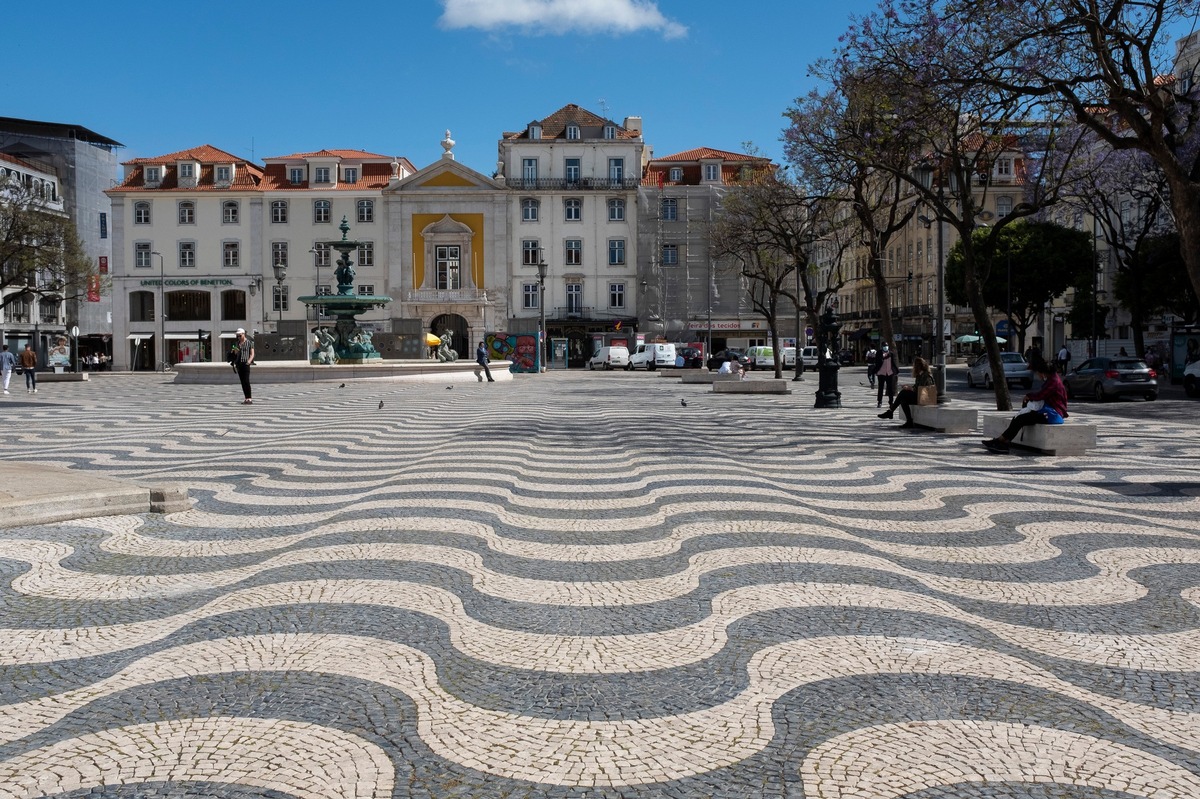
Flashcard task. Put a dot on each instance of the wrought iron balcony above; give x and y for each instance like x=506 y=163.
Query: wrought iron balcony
x=562 y=184
x=442 y=296
x=573 y=312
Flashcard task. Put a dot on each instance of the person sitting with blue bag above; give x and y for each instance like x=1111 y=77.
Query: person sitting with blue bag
x=1047 y=405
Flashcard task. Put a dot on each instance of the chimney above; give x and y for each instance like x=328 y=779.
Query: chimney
x=634 y=125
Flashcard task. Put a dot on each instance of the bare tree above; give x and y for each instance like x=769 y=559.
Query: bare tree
x=40 y=252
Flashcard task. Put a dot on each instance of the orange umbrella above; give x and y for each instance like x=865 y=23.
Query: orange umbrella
x=432 y=340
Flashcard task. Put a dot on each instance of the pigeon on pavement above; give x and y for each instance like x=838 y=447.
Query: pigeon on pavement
x=683 y=402
x=343 y=385
x=381 y=404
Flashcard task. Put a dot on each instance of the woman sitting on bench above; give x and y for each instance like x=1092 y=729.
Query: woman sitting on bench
x=1047 y=405
x=908 y=395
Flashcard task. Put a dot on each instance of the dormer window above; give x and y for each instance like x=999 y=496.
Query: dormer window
x=676 y=174
x=187 y=171
x=224 y=175
x=535 y=131
x=573 y=131
x=153 y=175
x=610 y=131
x=351 y=174
x=712 y=172
x=295 y=176
x=321 y=174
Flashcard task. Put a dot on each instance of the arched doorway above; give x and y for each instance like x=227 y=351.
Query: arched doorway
x=459 y=340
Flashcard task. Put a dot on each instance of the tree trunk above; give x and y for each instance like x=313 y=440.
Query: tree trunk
x=1185 y=204
x=983 y=324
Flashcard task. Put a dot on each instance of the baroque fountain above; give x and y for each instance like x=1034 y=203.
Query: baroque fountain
x=348 y=342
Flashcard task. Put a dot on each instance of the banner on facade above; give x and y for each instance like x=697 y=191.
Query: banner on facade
x=93 y=289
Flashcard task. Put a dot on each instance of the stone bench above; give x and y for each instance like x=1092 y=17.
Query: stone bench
x=1050 y=439
x=944 y=419
x=61 y=377
x=738 y=386
x=702 y=376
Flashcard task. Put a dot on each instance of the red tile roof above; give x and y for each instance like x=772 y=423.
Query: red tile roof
x=371 y=176
x=555 y=126
x=352 y=155
x=708 y=153
x=205 y=154
x=732 y=164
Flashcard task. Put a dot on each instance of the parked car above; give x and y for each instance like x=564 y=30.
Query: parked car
x=718 y=358
x=1016 y=370
x=789 y=359
x=761 y=358
x=846 y=357
x=689 y=357
x=1106 y=378
x=609 y=358
x=651 y=356
x=1191 y=379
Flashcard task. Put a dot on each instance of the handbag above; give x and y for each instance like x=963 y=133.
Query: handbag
x=927 y=395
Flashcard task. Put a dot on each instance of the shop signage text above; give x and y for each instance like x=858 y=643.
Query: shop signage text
x=203 y=281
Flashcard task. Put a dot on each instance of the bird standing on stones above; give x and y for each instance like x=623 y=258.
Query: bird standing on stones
x=449 y=387
x=683 y=402
x=343 y=385
x=381 y=405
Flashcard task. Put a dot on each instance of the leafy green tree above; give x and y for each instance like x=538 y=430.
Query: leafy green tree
x=40 y=252
x=1027 y=265
x=1159 y=283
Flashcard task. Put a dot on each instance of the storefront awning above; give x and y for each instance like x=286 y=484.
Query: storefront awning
x=139 y=336
x=183 y=336
x=227 y=335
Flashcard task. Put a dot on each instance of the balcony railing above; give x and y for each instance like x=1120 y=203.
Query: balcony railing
x=447 y=295
x=562 y=184
x=573 y=312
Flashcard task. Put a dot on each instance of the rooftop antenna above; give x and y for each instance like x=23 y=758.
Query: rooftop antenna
x=603 y=107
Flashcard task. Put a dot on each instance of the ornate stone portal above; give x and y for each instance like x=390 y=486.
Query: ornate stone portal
x=348 y=342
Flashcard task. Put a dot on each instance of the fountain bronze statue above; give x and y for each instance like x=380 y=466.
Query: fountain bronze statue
x=347 y=342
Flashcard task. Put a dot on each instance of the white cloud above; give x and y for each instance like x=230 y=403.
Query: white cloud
x=560 y=16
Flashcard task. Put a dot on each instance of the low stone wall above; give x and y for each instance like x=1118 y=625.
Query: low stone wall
x=304 y=372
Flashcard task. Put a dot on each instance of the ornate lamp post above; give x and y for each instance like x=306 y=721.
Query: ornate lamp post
x=162 y=309
x=799 y=329
x=541 y=342
x=280 y=274
x=924 y=174
x=828 y=395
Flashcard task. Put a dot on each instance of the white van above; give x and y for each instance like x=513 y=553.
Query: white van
x=761 y=358
x=609 y=358
x=809 y=356
x=651 y=356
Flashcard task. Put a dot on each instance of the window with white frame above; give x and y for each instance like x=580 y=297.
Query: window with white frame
x=231 y=254
x=573 y=169
x=572 y=210
x=573 y=252
x=616 y=252
x=279 y=301
x=616 y=210
x=279 y=211
x=529 y=296
x=670 y=255
x=187 y=171
x=153 y=174
x=141 y=213
x=529 y=170
x=230 y=212
x=322 y=254
x=1004 y=167
x=529 y=210
x=616 y=296
x=1003 y=206
x=187 y=213
x=187 y=254
x=224 y=174
x=141 y=254
x=574 y=298
x=572 y=132
x=675 y=174
x=279 y=253
x=616 y=169
x=610 y=132
x=366 y=211
x=670 y=209
x=366 y=253
x=918 y=252
x=712 y=172
x=322 y=211
x=531 y=250
x=350 y=174
x=535 y=132
x=324 y=290
x=448 y=266
x=321 y=174
x=366 y=289
x=296 y=175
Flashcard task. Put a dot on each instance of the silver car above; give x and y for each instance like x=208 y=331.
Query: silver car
x=1106 y=378
x=1015 y=371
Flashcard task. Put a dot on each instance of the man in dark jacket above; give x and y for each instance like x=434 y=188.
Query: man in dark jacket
x=481 y=358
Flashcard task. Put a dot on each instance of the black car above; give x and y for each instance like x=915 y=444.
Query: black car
x=688 y=357
x=714 y=363
x=846 y=358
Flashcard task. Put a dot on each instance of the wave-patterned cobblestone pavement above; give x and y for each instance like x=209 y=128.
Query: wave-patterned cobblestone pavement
x=572 y=586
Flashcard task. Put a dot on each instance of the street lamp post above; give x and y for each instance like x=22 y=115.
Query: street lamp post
x=925 y=174
x=280 y=274
x=256 y=288
x=541 y=357
x=799 y=365
x=162 y=309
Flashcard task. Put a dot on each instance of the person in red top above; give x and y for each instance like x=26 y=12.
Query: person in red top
x=1052 y=397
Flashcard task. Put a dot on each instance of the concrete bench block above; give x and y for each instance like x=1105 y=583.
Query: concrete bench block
x=702 y=376
x=169 y=498
x=945 y=419
x=770 y=386
x=1051 y=439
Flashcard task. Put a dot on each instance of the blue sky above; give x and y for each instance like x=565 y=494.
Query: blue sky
x=261 y=79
